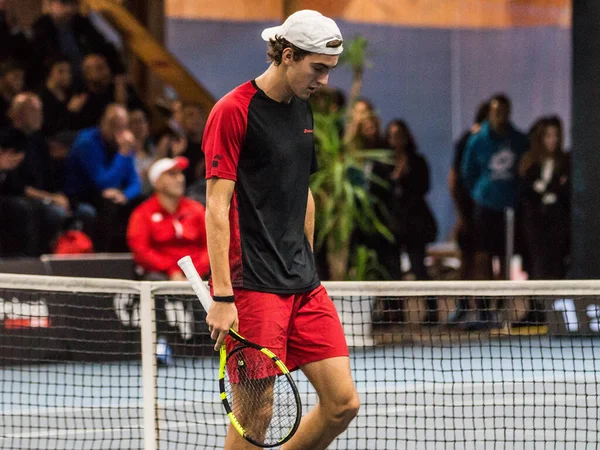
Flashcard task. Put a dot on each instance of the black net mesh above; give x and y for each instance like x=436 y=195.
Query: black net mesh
x=502 y=372
x=70 y=373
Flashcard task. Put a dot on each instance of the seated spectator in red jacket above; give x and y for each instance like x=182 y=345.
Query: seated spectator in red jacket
x=168 y=226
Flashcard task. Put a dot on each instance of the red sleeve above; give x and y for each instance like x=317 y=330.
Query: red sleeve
x=225 y=132
x=138 y=239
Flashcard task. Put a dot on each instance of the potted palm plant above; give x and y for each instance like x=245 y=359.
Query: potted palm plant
x=341 y=205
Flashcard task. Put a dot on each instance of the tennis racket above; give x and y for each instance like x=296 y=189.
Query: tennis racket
x=257 y=391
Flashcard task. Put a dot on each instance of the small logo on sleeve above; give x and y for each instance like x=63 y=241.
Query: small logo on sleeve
x=307 y=131
x=216 y=160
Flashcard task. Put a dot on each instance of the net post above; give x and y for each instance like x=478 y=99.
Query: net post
x=148 y=337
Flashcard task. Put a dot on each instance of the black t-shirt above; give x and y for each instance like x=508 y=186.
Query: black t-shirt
x=267 y=148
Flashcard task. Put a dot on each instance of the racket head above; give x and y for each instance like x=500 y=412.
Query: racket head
x=258 y=393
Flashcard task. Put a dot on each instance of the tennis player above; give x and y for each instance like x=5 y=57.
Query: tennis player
x=260 y=154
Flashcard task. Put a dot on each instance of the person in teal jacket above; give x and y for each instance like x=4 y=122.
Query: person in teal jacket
x=489 y=173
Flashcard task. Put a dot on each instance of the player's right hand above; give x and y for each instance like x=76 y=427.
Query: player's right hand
x=221 y=317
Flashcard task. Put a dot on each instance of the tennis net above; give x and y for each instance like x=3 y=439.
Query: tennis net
x=112 y=364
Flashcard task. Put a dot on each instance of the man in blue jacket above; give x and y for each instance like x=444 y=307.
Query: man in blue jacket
x=489 y=173
x=101 y=172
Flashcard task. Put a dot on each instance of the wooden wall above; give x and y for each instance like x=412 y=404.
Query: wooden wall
x=415 y=13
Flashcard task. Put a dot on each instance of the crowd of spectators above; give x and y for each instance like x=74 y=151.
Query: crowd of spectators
x=77 y=151
x=496 y=168
x=76 y=142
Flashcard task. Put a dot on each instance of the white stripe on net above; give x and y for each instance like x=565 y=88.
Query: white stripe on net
x=431 y=288
x=334 y=288
x=68 y=284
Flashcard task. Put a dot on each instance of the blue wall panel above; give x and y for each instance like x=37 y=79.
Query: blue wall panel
x=532 y=65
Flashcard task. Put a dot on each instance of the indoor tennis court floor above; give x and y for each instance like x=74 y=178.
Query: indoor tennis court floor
x=514 y=393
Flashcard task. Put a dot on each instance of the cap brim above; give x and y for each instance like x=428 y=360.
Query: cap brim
x=181 y=162
x=270 y=33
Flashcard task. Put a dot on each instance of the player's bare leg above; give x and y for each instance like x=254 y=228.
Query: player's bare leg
x=338 y=404
x=256 y=421
x=234 y=441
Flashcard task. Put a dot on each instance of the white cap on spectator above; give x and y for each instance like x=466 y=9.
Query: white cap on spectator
x=310 y=31
x=164 y=165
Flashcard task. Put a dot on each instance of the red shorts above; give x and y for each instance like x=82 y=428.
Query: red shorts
x=298 y=328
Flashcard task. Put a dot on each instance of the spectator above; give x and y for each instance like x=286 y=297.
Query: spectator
x=464 y=211
x=19 y=218
x=361 y=132
x=15 y=44
x=368 y=133
x=328 y=100
x=103 y=89
x=170 y=110
x=101 y=172
x=143 y=147
x=361 y=109
x=408 y=215
x=489 y=172
x=27 y=118
x=367 y=137
x=168 y=226
x=172 y=131
x=81 y=216
x=545 y=205
x=60 y=107
x=193 y=121
x=12 y=80
x=177 y=117
x=337 y=105
x=321 y=100
x=338 y=101
x=64 y=31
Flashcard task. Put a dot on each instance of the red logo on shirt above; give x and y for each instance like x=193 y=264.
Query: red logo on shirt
x=306 y=131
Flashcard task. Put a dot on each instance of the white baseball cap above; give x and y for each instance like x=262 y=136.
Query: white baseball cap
x=310 y=31
x=164 y=165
